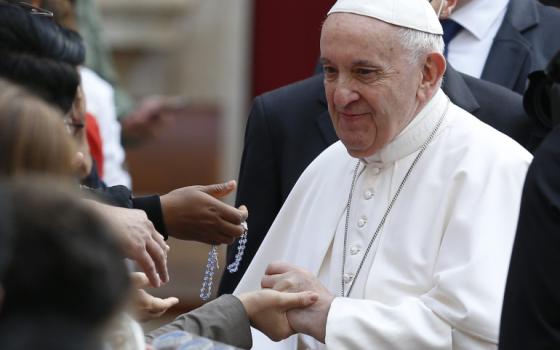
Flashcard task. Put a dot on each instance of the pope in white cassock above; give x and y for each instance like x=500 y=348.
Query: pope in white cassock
x=405 y=226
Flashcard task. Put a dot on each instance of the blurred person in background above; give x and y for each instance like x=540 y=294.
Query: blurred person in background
x=42 y=56
x=34 y=140
x=100 y=101
x=140 y=121
x=501 y=41
x=66 y=277
x=66 y=280
x=33 y=137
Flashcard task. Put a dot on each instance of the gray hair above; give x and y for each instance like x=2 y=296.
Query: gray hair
x=419 y=43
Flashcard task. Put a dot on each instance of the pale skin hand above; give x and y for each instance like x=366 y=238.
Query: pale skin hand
x=146 y=306
x=139 y=240
x=289 y=278
x=196 y=213
x=267 y=310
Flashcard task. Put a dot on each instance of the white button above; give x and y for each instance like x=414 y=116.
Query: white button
x=362 y=222
x=368 y=194
x=375 y=171
x=348 y=277
x=354 y=250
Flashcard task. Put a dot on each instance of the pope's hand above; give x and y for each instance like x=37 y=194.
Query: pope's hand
x=196 y=213
x=289 y=278
x=267 y=309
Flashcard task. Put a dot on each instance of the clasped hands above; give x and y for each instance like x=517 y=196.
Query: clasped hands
x=306 y=315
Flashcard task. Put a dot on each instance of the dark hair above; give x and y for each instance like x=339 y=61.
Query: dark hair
x=65 y=263
x=37 y=53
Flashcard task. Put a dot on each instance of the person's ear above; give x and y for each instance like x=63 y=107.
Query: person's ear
x=448 y=8
x=432 y=73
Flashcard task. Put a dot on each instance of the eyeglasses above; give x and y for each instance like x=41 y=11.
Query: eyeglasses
x=34 y=10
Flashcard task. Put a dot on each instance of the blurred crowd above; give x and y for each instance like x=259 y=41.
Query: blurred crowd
x=69 y=222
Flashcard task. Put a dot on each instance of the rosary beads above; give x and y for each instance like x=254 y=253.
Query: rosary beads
x=212 y=264
x=234 y=266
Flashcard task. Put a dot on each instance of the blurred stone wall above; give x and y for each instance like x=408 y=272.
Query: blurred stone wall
x=198 y=50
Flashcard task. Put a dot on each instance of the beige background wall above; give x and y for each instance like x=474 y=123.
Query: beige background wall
x=198 y=50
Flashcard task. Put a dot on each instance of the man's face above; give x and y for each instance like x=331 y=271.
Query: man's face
x=370 y=83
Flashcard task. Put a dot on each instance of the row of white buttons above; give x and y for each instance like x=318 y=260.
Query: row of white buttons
x=354 y=250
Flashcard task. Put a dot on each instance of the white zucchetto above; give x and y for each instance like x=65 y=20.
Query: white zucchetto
x=413 y=14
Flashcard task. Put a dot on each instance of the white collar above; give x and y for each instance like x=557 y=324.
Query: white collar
x=478 y=16
x=413 y=136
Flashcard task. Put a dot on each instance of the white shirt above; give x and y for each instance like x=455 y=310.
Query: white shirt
x=481 y=20
x=435 y=277
x=101 y=103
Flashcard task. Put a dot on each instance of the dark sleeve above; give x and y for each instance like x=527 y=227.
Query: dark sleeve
x=121 y=196
x=223 y=319
x=93 y=180
x=503 y=110
x=152 y=206
x=531 y=309
x=258 y=189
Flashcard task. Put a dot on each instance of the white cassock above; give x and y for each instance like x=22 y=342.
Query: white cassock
x=435 y=276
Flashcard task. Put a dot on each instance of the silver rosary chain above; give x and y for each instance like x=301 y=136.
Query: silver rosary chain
x=387 y=211
x=212 y=264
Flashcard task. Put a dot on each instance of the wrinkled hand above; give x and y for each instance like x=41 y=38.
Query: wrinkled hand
x=267 y=310
x=146 y=306
x=139 y=240
x=196 y=213
x=289 y=278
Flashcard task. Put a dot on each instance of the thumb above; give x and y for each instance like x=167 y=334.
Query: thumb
x=299 y=300
x=220 y=190
x=139 y=280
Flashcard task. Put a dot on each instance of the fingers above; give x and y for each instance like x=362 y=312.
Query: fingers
x=244 y=212
x=156 y=236
x=229 y=232
x=220 y=190
x=159 y=306
x=159 y=257
x=139 y=280
x=298 y=300
x=149 y=307
x=279 y=267
x=269 y=281
x=281 y=283
x=157 y=248
x=147 y=265
x=231 y=214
